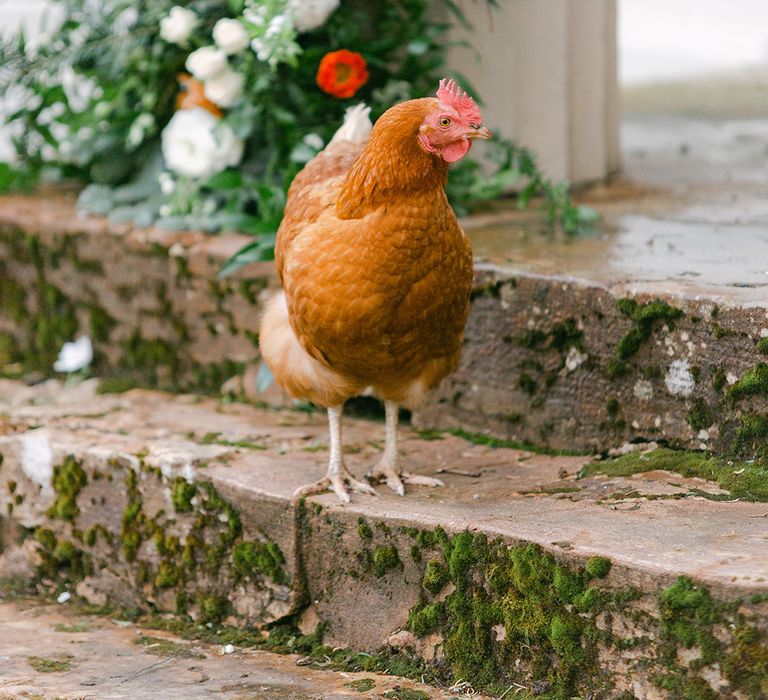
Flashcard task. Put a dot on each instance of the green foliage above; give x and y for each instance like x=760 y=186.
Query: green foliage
x=115 y=86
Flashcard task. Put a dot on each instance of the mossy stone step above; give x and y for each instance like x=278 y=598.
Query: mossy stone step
x=562 y=355
x=518 y=571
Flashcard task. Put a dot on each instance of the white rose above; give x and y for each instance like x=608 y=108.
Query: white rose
x=196 y=144
x=230 y=36
x=224 y=88
x=178 y=25
x=310 y=14
x=206 y=62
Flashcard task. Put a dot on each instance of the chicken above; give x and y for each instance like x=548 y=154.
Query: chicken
x=376 y=272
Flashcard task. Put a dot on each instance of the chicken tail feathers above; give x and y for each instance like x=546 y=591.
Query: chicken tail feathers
x=300 y=374
x=357 y=125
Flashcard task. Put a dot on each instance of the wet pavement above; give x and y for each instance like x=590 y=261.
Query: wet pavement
x=698 y=220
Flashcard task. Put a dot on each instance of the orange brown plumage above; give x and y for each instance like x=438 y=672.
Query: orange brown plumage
x=376 y=273
x=375 y=267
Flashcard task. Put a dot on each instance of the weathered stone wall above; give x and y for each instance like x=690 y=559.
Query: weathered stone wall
x=149 y=299
x=517 y=572
x=570 y=364
x=555 y=362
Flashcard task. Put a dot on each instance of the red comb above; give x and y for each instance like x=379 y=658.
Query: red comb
x=451 y=94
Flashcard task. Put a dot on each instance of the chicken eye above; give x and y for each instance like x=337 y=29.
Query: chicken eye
x=444 y=121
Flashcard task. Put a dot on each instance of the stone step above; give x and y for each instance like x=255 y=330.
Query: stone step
x=517 y=572
x=654 y=328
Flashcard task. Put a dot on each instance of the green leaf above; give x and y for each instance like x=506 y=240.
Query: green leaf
x=236 y=6
x=7 y=177
x=257 y=251
x=225 y=180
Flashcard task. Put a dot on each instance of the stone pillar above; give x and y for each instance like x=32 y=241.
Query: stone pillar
x=547 y=73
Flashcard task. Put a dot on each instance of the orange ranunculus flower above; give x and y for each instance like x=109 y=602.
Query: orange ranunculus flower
x=342 y=73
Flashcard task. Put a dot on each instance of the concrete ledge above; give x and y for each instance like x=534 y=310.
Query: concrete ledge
x=516 y=572
x=578 y=364
x=580 y=361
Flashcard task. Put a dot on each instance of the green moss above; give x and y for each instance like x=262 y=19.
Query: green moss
x=598 y=567
x=259 y=558
x=71 y=629
x=59 y=663
x=612 y=407
x=746 y=663
x=751 y=438
x=166 y=647
x=361 y=685
x=168 y=575
x=212 y=608
x=747 y=481
x=482 y=439
x=182 y=493
x=527 y=383
x=436 y=575
x=364 y=529
x=489 y=289
x=385 y=559
x=68 y=480
x=427 y=619
x=133 y=519
x=762 y=346
x=719 y=379
x=544 y=606
x=753 y=383
x=215 y=439
x=701 y=415
x=406 y=694
x=688 y=614
x=616 y=368
x=116 y=385
x=101 y=324
x=646 y=318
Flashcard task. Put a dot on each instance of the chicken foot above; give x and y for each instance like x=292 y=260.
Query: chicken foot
x=338 y=478
x=388 y=469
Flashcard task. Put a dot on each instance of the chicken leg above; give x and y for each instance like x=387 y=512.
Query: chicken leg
x=338 y=478
x=388 y=468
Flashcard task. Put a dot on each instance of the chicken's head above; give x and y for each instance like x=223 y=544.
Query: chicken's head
x=448 y=129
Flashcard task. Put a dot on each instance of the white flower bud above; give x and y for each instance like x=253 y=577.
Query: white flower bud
x=225 y=88
x=206 y=62
x=178 y=25
x=310 y=14
x=230 y=36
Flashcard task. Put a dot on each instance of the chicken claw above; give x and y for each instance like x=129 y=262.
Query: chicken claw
x=387 y=468
x=341 y=484
x=397 y=480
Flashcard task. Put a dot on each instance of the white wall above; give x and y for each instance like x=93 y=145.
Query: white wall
x=672 y=39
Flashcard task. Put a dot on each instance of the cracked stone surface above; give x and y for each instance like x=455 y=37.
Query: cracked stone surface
x=114 y=659
x=654 y=527
x=519 y=494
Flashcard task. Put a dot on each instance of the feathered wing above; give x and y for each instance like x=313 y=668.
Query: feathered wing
x=315 y=188
x=311 y=193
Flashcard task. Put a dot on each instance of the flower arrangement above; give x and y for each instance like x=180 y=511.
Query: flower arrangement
x=199 y=115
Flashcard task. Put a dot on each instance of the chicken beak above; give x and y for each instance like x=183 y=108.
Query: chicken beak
x=480 y=132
